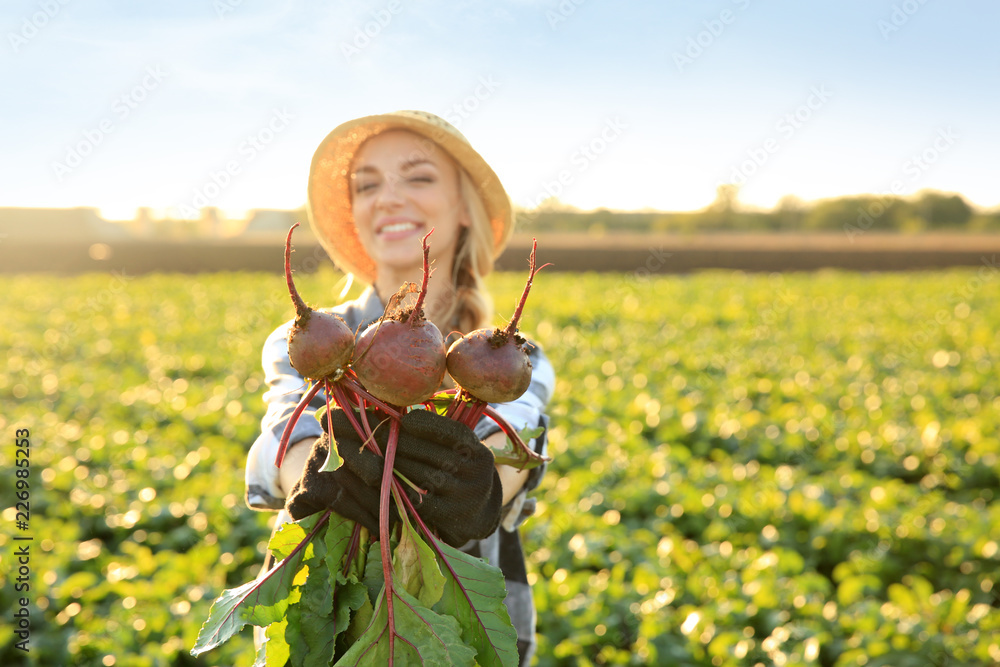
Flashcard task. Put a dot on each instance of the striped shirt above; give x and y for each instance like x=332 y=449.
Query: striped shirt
x=285 y=388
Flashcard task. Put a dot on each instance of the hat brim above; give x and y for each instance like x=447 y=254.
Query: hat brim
x=330 y=214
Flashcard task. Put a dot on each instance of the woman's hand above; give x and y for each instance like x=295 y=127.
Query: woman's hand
x=294 y=463
x=461 y=490
x=511 y=479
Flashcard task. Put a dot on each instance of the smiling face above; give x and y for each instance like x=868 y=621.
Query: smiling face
x=402 y=186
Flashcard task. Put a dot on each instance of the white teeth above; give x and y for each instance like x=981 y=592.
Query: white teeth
x=398 y=227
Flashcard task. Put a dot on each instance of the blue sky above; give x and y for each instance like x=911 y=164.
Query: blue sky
x=625 y=105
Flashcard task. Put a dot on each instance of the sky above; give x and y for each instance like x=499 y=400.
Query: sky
x=623 y=105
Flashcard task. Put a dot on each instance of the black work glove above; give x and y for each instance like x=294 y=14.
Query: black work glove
x=437 y=454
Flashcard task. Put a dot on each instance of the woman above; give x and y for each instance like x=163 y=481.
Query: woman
x=377 y=185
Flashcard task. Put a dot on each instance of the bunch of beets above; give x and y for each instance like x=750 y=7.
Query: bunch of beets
x=417 y=600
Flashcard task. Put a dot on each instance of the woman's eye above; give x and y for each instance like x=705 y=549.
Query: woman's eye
x=363 y=187
x=421 y=179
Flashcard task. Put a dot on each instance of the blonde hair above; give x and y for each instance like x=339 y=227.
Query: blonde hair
x=472 y=306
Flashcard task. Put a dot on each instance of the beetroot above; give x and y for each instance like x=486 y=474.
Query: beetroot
x=490 y=365
x=402 y=359
x=402 y=363
x=493 y=366
x=320 y=345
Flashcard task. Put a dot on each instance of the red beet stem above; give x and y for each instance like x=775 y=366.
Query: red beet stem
x=363 y=430
x=352 y=549
x=323 y=519
x=383 y=530
x=465 y=408
x=525 y=454
x=473 y=411
x=423 y=283
x=512 y=325
x=363 y=413
x=459 y=405
x=452 y=409
x=292 y=420
x=351 y=381
x=344 y=403
x=301 y=309
x=327 y=390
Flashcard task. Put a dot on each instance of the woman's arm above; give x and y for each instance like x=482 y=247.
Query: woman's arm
x=265 y=486
x=294 y=463
x=526 y=412
x=511 y=479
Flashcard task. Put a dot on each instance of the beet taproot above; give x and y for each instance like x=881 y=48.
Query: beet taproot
x=492 y=365
x=401 y=357
x=320 y=345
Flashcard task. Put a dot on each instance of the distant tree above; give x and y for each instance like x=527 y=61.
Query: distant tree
x=832 y=214
x=860 y=215
x=555 y=204
x=789 y=214
x=720 y=214
x=940 y=210
x=856 y=214
x=726 y=198
x=985 y=222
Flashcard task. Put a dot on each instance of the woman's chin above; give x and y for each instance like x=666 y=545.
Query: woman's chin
x=406 y=258
x=401 y=262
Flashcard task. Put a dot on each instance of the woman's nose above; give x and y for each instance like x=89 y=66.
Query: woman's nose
x=390 y=193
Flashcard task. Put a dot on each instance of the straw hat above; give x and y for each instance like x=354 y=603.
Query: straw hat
x=329 y=184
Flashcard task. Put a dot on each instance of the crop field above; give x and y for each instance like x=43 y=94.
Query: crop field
x=748 y=469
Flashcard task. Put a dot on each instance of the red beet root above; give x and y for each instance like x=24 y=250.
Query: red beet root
x=320 y=344
x=492 y=365
x=489 y=366
x=402 y=360
x=317 y=347
x=401 y=364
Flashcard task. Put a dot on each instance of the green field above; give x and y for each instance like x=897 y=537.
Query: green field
x=748 y=469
